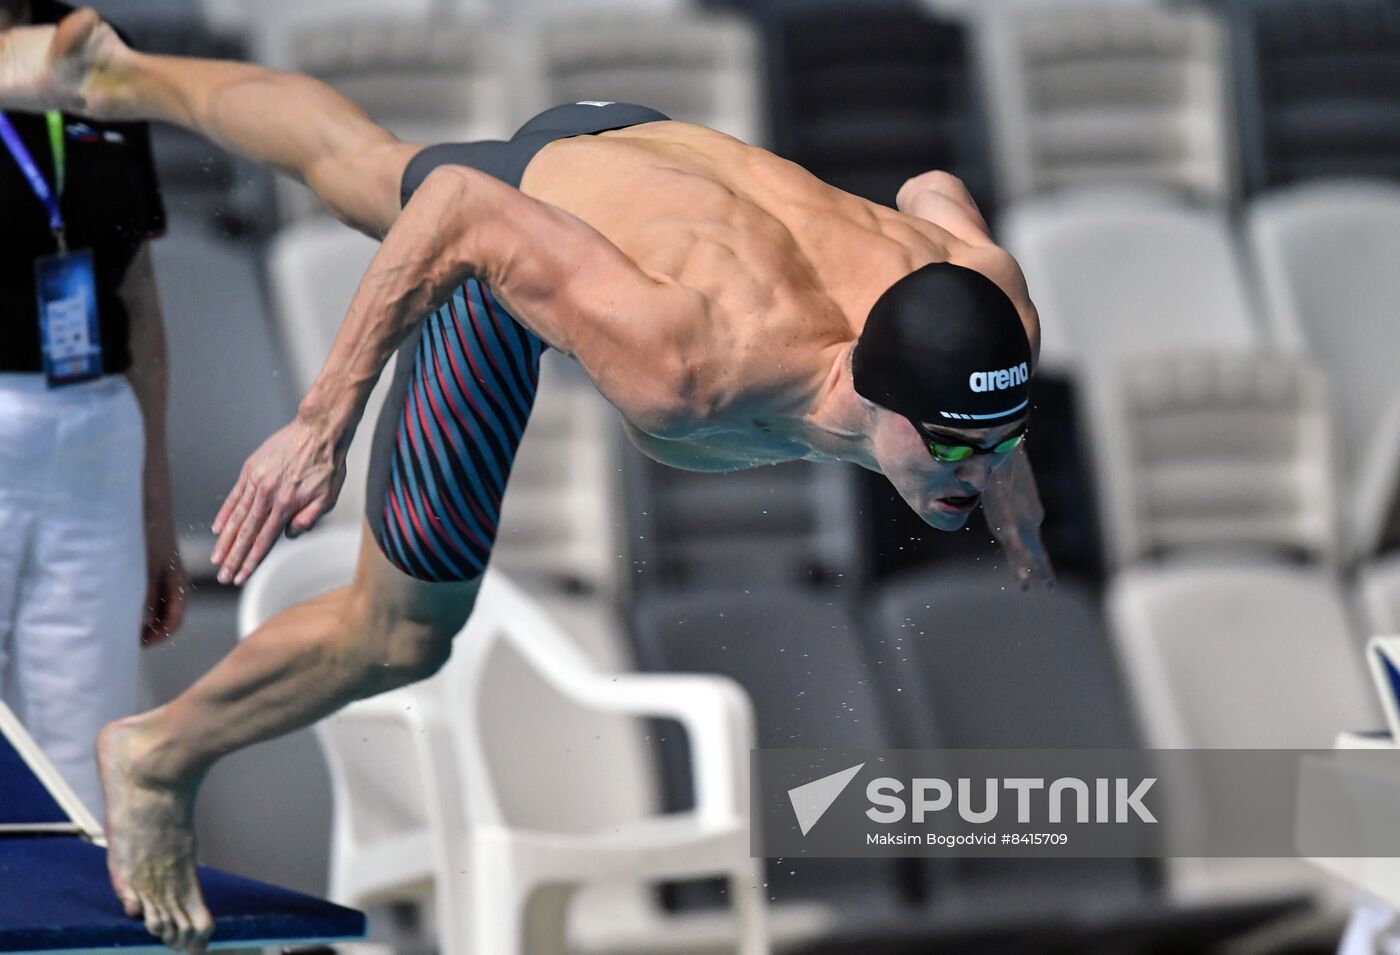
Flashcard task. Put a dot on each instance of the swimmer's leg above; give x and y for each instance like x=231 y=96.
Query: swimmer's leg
x=385 y=630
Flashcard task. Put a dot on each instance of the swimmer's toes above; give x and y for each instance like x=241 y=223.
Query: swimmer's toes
x=131 y=902
x=157 y=922
x=203 y=924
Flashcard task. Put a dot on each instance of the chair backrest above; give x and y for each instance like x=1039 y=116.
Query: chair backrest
x=1115 y=277
x=694 y=67
x=1325 y=254
x=296 y=572
x=1207 y=449
x=1237 y=655
x=866 y=95
x=1088 y=92
x=426 y=79
x=1318 y=84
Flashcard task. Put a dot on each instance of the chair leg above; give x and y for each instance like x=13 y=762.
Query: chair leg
x=546 y=919
x=750 y=910
x=477 y=907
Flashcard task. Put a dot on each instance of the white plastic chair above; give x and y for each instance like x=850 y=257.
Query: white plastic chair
x=1143 y=302
x=695 y=67
x=1240 y=655
x=1093 y=93
x=1123 y=273
x=1325 y=254
x=418 y=775
x=1215 y=450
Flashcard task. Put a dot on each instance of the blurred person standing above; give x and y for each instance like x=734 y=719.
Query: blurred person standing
x=89 y=569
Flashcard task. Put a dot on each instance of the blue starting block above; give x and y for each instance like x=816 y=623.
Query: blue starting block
x=55 y=895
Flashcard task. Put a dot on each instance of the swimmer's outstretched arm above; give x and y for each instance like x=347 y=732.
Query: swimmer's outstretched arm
x=297 y=124
x=1011 y=500
x=641 y=339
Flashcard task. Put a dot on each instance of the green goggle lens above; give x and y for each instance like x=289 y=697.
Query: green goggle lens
x=950 y=453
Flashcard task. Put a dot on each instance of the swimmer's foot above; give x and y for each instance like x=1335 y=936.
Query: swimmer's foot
x=150 y=842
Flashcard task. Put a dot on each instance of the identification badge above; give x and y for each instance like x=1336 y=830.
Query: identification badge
x=68 y=325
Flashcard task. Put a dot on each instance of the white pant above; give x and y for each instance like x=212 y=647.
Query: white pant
x=1373 y=929
x=72 y=563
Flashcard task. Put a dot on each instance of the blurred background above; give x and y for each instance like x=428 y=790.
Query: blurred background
x=1204 y=199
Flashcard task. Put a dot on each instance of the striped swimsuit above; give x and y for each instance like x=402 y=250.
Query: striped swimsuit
x=464 y=386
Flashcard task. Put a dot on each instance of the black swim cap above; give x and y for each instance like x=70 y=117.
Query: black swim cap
x=945 y=345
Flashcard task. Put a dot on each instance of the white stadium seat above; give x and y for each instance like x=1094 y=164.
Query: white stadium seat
x=426 y=80
x=451 y=787
x=1237 y=655
x=1326 y=255
x=1097 y=93
x=697 y=68
x=1198 y=437
x=1220 y=450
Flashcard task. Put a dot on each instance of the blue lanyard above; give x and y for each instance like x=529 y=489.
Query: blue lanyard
x=36 y=179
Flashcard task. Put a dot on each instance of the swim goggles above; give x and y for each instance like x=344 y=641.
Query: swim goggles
x=949 y=453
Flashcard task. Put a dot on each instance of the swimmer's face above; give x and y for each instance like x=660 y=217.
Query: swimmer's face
x=944 y=494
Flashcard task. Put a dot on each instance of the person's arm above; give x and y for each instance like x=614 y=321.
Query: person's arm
x=941 y=198
x=295 y=123
x=643 y=340
x=1011 y=500
x=1011 y=505
x=149 y=378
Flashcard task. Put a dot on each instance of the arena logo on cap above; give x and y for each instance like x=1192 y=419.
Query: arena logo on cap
x=999 y=379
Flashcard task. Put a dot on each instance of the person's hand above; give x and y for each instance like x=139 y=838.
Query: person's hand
x=75 y=66
x=165 y=601
x=165 y=574
x=289 y=483
x=1011 y=505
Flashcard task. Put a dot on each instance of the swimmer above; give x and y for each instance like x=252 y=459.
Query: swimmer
x=733 y=308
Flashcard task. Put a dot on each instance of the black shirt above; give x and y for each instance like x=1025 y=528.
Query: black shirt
x=111 y=204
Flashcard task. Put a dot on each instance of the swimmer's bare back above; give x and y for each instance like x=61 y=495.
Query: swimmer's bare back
x=789 y=265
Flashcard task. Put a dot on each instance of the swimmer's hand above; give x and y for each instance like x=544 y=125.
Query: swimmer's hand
x=289 y=483
x=1011 y=504
x=76 y=66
